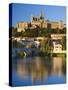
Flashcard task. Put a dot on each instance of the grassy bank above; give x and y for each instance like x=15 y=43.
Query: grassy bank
x=58 y=54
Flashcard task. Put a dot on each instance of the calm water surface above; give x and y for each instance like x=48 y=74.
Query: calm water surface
x=38 y=71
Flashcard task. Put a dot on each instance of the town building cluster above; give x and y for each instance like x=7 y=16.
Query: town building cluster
x=39 y=22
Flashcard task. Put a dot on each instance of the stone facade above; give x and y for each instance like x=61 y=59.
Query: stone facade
x=21 y=26
x=57 y=24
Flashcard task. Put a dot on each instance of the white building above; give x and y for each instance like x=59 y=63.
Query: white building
x=37 y=44
x=57 y=47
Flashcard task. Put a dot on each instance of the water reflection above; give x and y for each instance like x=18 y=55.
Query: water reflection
x=57 y=65
x=40 y=68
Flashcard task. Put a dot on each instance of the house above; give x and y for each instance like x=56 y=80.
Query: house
x=57 y=47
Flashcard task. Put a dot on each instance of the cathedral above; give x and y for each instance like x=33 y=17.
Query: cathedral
x=39 y=21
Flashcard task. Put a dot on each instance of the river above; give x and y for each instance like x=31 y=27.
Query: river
x=38 y=71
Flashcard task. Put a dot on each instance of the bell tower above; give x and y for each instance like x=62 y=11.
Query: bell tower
x=42 y=16
x=32 y=17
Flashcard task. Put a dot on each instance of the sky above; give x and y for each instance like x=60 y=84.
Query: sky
x=23 y=12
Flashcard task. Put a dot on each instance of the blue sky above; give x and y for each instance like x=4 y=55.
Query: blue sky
x=22 y=12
